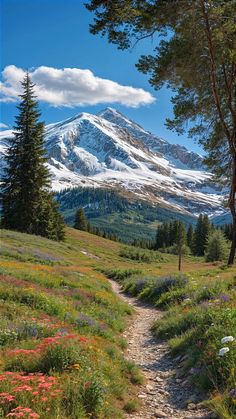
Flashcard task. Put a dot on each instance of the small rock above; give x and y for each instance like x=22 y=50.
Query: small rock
x=191 y=406
x=177 y=359
x=185 y=382
x=159 y=379
x=160 y=414
x=142 y=396
x=192 y=399
x=165 y=374
x=191 y=417
x=161 y=391
x=149 y=387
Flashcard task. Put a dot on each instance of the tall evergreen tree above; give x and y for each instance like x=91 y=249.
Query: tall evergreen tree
x=180 y=241
x=216 y=248
x=81 y=222
x=190 y=237
x=27 y=204
x=202 y=231
x=227 y=230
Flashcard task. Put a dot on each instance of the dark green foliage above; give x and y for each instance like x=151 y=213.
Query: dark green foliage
x=190 y=236
x=120 y=274
x=227 y=229
x=216 y=248
x=140 y=255
x=180 y=241
x=58 y=358
x=174 y=250
x=161 y=290
x=27 y=204
x=81 y=222
x=114 y=216
x=201 y=233
x=169 y=234
x=143 y=243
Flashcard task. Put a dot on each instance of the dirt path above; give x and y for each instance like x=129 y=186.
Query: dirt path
x=166 y=393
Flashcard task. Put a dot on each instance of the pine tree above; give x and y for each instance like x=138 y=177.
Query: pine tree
x=202 y=231
x=190 y=236
x=81 y=222
x=216 y=247
x=27 y=204
x=180 y=241
x=228 y=229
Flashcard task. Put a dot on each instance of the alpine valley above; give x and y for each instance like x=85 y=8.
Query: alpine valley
x=110 y=152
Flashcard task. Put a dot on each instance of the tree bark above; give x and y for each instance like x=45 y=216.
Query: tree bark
x=180 y=259
x=233 y=213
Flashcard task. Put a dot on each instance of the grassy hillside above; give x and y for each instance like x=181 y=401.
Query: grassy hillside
x=60 y=330
x=125 y=217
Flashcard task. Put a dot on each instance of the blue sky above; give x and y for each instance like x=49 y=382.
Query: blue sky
x=55 y=34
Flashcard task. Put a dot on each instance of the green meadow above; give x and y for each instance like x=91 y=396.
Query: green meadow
x=62 y=350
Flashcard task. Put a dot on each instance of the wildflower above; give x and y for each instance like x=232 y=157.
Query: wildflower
x=223 y=351
x=227 y=339
x=224 y=298
x=232 y=392
x=23 y=388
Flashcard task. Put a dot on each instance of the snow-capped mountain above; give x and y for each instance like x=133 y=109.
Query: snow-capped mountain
x=174 y=153
x=109 y=150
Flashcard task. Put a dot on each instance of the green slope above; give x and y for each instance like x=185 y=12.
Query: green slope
x=127 y=219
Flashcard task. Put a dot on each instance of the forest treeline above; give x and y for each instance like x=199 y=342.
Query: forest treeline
x=174 y=237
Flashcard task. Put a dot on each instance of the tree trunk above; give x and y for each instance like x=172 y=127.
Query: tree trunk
x=180 y=259
x=233 y=213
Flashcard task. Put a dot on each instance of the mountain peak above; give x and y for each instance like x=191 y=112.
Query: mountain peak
x=111 y=151
x=104 y=113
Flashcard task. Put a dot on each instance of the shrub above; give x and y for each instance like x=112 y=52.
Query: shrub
x=132 y=406
x=136 y=286
x=171 y=297
x=120 y=274
x=7 y=336
x=140 y=255
x=158 y=286
x=173 y=250
x=174 y=323
x=198 y=332
x=32 y=299
x=59 y=357
x=92 y=396
x=133 y=372
x=216 y=248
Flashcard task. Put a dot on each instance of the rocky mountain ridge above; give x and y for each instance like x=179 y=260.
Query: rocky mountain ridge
x=110 y=151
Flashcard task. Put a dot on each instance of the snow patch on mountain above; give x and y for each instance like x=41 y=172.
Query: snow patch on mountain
x=109 y=150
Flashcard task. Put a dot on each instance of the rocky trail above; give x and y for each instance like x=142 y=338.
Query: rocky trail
x=166 y=392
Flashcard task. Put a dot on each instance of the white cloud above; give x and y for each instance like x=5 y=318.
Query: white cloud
x=3 y=126
x=71 y=87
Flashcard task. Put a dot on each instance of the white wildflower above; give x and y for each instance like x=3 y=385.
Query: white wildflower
x=223 y=351
x=227 y=339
